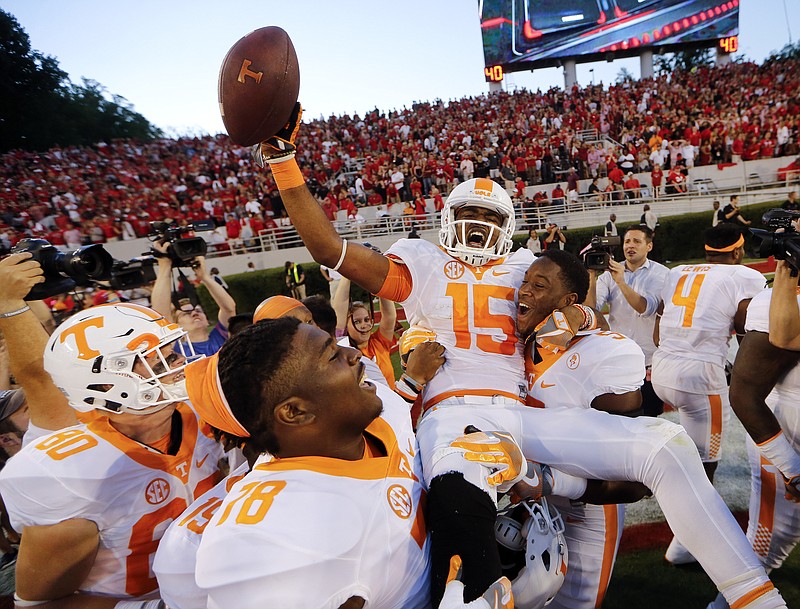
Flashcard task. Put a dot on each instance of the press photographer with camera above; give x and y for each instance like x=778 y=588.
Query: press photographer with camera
x=554 y=239
x=189 y=315
x=632 y=292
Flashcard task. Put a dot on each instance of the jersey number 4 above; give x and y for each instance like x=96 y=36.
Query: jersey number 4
x=688 y=302
x=482 y=317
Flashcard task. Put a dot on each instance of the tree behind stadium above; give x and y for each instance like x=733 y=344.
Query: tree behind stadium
x=40 y=107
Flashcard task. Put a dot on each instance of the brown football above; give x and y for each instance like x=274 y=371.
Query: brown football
x=258 y=85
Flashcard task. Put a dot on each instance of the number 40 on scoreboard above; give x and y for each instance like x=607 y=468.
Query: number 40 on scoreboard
x=729 y=44
x=493 y=73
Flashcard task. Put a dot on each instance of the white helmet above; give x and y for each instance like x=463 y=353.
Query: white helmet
x=542 y=538
x=91 y=358
x=453 y=237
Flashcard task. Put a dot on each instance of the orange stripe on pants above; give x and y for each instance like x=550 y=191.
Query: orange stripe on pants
x=609 y=551
x=715 y=437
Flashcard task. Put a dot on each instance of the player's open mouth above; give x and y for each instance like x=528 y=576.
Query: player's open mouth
x=476 y=238
x=363 y=381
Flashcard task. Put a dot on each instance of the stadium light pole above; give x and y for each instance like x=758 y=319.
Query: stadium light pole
x=788 y=28
x=591 y=71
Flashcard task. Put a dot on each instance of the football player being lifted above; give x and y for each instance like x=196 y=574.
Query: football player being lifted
x=465 y=290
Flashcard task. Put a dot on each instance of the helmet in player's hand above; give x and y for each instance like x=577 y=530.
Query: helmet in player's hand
x=119 y=358
x=541 y=536
x=473 y=241
x=411 y=339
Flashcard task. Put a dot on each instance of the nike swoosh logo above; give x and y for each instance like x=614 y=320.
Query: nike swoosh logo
x=498 y=274
x=199 y=463
x=544 y=385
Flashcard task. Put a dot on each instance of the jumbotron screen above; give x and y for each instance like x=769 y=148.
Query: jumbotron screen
x=527 y=34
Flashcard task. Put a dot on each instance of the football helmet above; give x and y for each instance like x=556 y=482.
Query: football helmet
x=413 y=338
x=541 y=536
x=454 y=236
x=91 y=359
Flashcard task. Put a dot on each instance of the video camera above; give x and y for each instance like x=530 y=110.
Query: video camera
x=62 y=272
x=182 y=250
x=88 y=265
x=782 y=239
x=133 y=273
x=600 y=252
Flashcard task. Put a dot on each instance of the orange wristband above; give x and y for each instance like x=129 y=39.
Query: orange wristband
x=287 y=175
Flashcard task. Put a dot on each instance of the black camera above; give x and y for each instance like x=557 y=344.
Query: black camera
x=782 y=239
x=64 y=271
x=182 y=250
x=600 y=252
x=134 y=273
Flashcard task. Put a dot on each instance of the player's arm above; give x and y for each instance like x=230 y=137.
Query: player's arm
x=55 y=560
x=784 y=314
x=354 y=602
x=629 y=403
x=759 y=365
x=26 y=340
x=225 y=302
x=740 y=316
x=602 y=492
x=361 y=264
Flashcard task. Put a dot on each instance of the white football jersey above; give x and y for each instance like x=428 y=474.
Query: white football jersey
x=130 y=491
x=596 y=363
x=315 y=531
x=787 y=389
x=473 y=311
x=176 y=558
x=700 y=302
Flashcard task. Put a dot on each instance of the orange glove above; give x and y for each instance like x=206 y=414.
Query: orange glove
x=497 y=451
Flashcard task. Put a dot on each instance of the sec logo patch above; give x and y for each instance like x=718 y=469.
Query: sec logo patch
x=157 y=491
x=399 y=500
x=574 y=361
x=453 y=269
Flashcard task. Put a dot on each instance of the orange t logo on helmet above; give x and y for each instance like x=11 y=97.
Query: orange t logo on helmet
x=79 y=332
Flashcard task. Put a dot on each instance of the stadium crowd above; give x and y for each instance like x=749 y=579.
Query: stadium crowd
x=111 y=191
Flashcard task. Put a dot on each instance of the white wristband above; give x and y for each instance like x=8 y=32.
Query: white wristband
x=19 y=602
x=341 y=257
x=782 y=455
x=153 y=604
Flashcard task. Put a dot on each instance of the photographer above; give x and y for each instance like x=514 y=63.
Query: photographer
x=731 y=212
x=192 y=318
x=554 y=239
x=632 y=291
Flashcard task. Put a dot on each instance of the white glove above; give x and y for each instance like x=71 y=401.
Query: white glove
x=497 y=596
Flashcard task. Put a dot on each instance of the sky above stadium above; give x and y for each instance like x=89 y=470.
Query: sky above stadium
x=163 y=56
